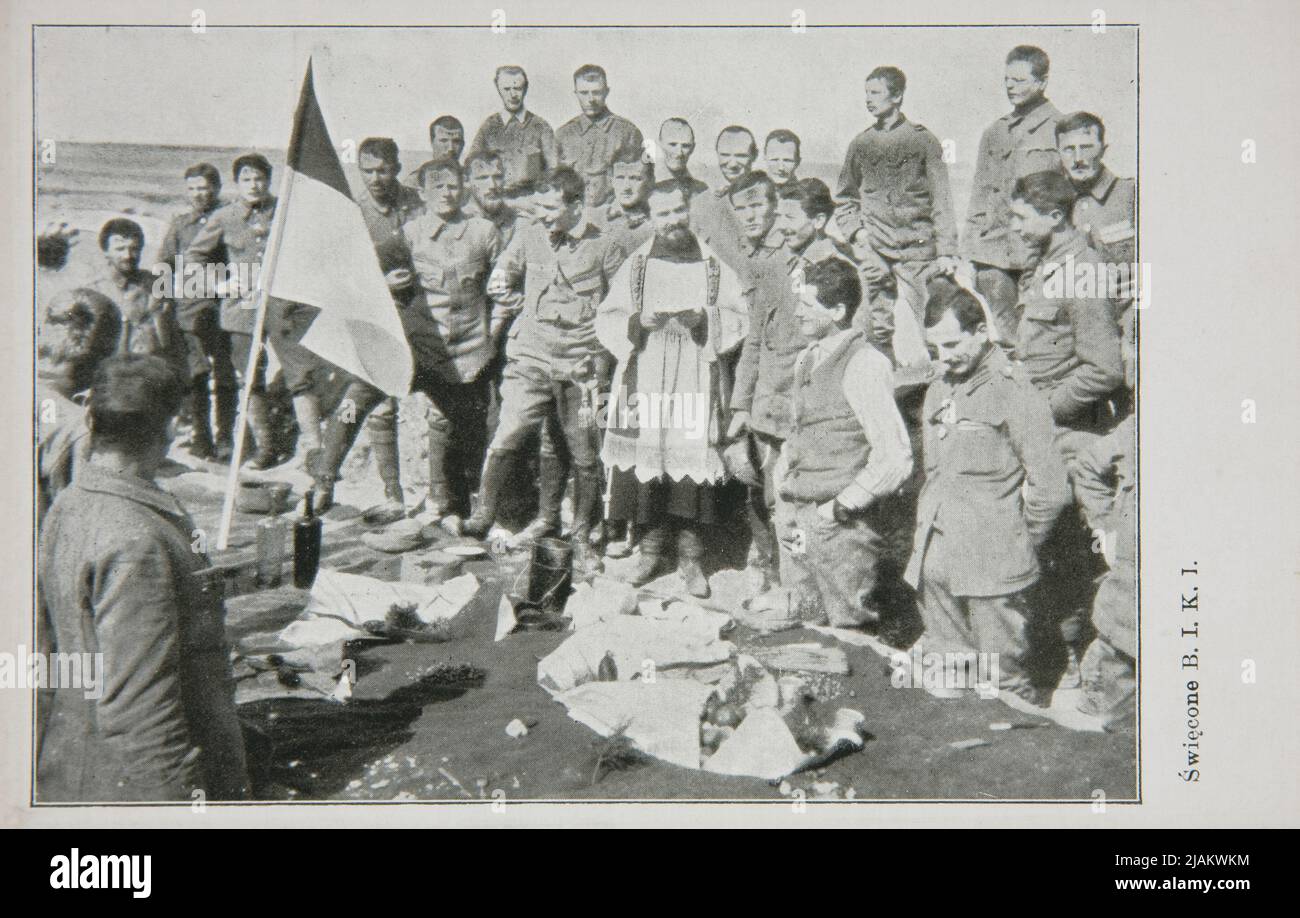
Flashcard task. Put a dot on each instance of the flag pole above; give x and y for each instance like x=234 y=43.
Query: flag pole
x=255 y=352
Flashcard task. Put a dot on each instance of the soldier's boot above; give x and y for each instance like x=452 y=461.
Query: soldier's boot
x=306 y=411
x=690 y=551
x=651 y=562
x=553 y=475
x=586 y=499
x=227 y=398
x=441 y=500
x=340 y=433
x=496 y=473
x=200 y=445
x=259 y=422
x=383 y=446
x=763 y=572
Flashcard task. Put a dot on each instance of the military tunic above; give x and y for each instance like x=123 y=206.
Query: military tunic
x=590 y=145
x=525 y=143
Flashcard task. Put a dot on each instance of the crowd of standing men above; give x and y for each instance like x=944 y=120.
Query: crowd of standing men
x=891 y=400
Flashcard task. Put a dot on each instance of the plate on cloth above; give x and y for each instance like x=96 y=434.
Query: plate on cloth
x=465 y=551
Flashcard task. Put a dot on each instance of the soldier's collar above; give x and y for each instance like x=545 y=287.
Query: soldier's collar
x=454 y=226
x=196 y=215
x=506 y=117
x=1100 y=189
x=1033 y=117
x=993 y=365
x=819 y=249
x=634 y=217
x=1071 y=243
x=102 y=481
x=902 y=120
x=584 y=229
x=586 y=123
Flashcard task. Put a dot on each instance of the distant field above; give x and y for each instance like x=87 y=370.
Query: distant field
x=90 y=182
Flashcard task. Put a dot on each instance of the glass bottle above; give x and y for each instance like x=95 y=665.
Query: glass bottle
x=306 y=544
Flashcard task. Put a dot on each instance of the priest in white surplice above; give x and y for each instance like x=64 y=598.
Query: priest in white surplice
x=673 y=313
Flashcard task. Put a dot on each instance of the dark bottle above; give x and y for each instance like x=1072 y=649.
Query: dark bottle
x=306 y=545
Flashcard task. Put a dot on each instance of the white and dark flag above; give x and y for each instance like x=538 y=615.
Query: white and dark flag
x=325 y=258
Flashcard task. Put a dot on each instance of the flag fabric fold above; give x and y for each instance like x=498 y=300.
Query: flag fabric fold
x=324 y=257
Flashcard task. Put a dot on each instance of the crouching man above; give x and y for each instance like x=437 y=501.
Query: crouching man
x=121 y=581
x=994 y=485
x=846 y=454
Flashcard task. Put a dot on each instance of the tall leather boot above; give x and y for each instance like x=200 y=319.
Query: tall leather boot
x=340 y=434
x=227 y=398
x=690 y=550
x=651 y=562
x=764 y=572
x=200 y=446
x=554 y=475
x=496 y=472
x=586 y=498
x=440 y=496
x=306 y=411
x=259 y=422
x=383 y=446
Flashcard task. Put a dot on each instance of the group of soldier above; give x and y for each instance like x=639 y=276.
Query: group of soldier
x=884 y=402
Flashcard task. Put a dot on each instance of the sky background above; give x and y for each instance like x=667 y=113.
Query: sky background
x=238 y=87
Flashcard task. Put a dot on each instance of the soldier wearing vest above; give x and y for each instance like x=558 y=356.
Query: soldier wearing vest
x=994 y=485
x=1105 y=211
x=846 y=455
x=548 y=283
x=673 y=312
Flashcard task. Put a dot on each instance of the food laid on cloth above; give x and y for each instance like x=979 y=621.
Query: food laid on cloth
x=659 y=674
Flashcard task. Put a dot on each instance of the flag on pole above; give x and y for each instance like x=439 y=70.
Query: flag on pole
x=325 y=258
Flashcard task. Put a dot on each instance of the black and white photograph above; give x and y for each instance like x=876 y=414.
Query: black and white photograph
x=525 y=411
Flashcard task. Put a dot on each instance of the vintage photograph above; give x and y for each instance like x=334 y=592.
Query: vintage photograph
x=523 y=413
